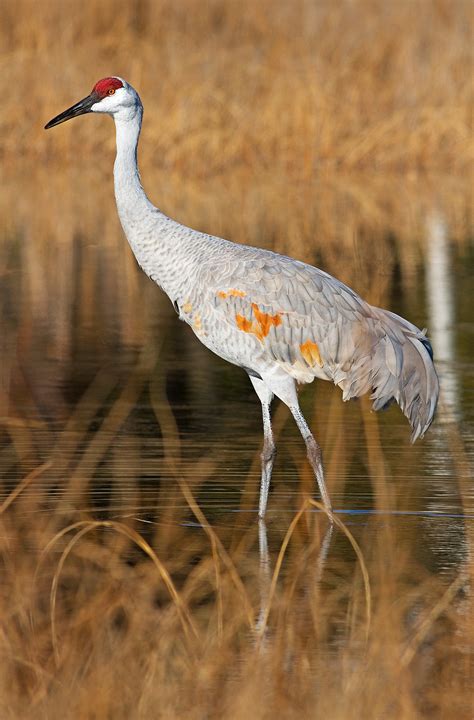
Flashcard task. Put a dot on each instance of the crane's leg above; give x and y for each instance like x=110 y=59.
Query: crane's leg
x=268 y=451
x=283 y=386
x=314 y=453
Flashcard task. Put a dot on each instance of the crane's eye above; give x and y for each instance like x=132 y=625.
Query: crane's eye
x=111 y=91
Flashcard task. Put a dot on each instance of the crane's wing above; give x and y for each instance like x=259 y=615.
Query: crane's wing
x=315 y=326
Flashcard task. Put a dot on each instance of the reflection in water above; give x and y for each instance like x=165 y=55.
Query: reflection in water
x=441 y=307
x=264 y=574
x=312 y=575
x=444 y=483
x=324 y=551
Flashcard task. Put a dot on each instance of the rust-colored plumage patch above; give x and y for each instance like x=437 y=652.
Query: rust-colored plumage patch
x=197 y=322
x=243 y=324
x=261 y=325
x=265 y=321
x=231 y=293
x=311 y=354
x=187 y=307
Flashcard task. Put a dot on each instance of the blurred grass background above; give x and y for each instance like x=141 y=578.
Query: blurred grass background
x=285 y=87
x=332 y=131
x=303 y=126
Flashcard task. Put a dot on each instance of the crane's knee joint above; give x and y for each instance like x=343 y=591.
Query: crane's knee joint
x=268 y=453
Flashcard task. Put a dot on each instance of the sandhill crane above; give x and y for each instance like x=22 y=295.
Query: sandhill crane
x=281 y=320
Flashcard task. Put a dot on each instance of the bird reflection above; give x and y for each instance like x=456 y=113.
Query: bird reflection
x=265 y=573
x=264 y=576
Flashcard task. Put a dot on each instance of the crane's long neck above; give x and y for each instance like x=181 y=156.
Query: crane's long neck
x=168 y=252
x=132 y=203
x=146 y=228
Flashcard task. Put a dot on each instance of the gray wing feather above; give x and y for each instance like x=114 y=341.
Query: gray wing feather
x=362 y=348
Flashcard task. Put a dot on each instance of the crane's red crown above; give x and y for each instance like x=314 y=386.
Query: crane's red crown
x=107 y=86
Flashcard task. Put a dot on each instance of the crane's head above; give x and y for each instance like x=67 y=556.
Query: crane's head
x=111 y=95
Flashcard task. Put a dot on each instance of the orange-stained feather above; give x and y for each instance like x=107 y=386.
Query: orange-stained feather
x=197 y=322
x=243 y=323
x=265 y=321
x=260 y=327
x=311 y=354
x=231 y=293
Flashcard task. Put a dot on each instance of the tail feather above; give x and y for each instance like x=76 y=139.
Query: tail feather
x=398 y=367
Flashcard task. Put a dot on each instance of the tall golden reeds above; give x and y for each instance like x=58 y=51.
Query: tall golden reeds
x=286 y=87
x=129 y=609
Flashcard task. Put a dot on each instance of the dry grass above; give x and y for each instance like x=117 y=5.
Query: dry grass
x=332 y=131
x=121 y=598
x=277 y=86
x=162 y=619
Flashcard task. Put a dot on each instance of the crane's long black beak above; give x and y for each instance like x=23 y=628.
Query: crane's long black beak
x=80 y=108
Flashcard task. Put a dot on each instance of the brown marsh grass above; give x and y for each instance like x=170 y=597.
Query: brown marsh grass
x=268 y=86
x=132 y=582
x=134 y=611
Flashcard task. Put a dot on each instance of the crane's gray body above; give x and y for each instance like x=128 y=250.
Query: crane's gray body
x=281 y=320
x=214 y=283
